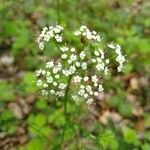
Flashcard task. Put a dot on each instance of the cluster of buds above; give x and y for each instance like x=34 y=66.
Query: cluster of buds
x=82 y=67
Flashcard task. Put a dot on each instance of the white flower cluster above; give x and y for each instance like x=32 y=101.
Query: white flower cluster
x=90 y=35
x=120 y=57
x=49 y=80
x=84 y=66
x=48 y=33
x=88 y=88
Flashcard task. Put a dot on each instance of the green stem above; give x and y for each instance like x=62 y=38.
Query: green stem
x=65 y=98
x=65 y=108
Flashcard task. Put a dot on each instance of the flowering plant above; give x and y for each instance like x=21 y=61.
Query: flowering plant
x=78 y=72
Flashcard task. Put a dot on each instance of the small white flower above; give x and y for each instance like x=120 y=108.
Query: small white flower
x=48 y=73
x=55 y=83
x=49 y=64
x=43 y=72
x=107 y=61
x=77 y=79
x=81 y=92
x=89 y=35
x=51 y=27
x=102 y=53
x=66 y=72
x=77 y=33
x=72 y=50
x=94 y=79
x=45 y=85
x=60 y=27
x=99 y=60
x=83 y=27
x=82 y=55
x=93 y=60
x=77 y=64
x=86 y=78
x=94 y=32
x=49 y=79
x=58 y=38
x=64 y=56
x=91 y=92
x=106 y=70
x=84 y=66
x=98 y=38
x=100 y=66
x=60 y=94
x=62 y=86
x=95 y=93
x=95 y=84
x=72 y=69
x=44 y=92
x=85 y=95
x=88 y=88
x=82 y=86
x=39 y=82
x=57 y=76
x=64 y=49
x=57 y=30
x=89 y=101
x=45 y=29
x=38 y=72
x=52 y=92
x=100 y=88
x=41 y=46
x=74 y=97
x=96 y=53
x=50 y=34
x=112 y=45
x=55 y=70
x=73 y=57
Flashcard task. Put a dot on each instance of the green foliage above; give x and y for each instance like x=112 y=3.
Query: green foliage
x=57 y=117
x=108 y=140
x=145 y=146
x=129 y=135
x=28 y=82
x=41 y=104
x=6 y=91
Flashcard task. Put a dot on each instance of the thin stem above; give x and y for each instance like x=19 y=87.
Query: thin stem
x=65 y=108
x=65 y=97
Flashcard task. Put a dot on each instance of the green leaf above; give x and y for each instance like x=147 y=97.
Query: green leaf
x=57 y=117
x=144 y=46
x=6 y=91
x=106 y=139
x=146 y=146
x=35 y=144
x=40 y=120
x=129 y=135
x=115 y=101
x=128 y=67
x=41 y=104
x=125 y=109
x=29 y=79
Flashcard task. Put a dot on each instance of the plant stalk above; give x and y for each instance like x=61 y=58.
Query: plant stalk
x=65 y=98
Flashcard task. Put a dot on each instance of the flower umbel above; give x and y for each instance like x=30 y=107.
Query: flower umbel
x=85 y=65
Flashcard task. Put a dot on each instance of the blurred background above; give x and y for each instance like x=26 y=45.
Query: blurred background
x=119 y=120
